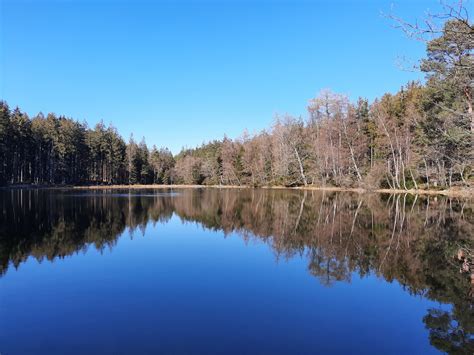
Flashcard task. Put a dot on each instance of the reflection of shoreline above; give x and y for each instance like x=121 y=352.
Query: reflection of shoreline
x=465 y=256
x=154 y=195
x=450 y=192
x=341 y=232
x=414 y=240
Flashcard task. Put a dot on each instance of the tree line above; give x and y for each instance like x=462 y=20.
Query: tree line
x=59 y=150
x=419 y=137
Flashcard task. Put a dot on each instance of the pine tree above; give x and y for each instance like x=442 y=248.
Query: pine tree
x=5 y=146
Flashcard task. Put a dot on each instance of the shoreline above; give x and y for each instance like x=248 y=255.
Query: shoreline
x=451 y=192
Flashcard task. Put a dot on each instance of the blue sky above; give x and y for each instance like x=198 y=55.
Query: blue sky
x=183 y=72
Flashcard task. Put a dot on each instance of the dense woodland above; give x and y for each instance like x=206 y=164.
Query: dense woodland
x=420 y=137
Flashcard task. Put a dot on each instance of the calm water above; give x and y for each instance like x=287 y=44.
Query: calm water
x=229 y=271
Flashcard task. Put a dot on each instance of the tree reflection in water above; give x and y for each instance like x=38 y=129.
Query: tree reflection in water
x=424 y=243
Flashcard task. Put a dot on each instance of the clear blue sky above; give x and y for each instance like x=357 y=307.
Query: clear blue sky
x=183 y=72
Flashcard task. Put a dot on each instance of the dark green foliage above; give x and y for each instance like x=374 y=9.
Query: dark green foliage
x=161 y=164
x=5 y=129
x=59 y=150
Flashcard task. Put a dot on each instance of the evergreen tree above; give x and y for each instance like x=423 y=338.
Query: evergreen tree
x=5 y=148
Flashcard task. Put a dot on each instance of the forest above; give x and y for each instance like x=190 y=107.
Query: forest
x=418 y=138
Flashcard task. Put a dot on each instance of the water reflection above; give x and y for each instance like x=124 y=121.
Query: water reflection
x=423 y=243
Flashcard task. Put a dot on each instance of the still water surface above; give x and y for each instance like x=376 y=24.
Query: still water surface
x=233 y=271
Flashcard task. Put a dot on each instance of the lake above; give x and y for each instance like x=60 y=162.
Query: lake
x=228 y=271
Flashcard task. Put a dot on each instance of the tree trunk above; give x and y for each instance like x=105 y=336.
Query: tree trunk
x=469 y=107
x=352 y=152
x=301 y=167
